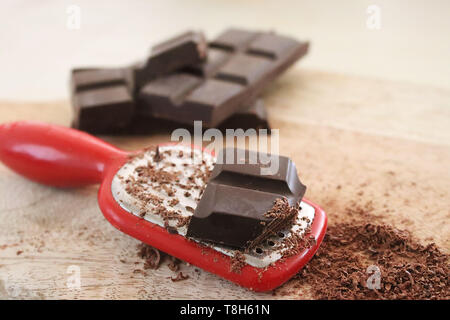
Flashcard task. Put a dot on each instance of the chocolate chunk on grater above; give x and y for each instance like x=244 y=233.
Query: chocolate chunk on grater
x=233 y=208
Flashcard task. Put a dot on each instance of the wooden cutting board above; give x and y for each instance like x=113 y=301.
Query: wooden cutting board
x=382 y=142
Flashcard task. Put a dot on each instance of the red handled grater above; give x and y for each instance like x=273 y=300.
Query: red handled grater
x=64 y=157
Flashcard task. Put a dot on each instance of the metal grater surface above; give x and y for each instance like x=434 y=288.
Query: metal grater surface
x=172 y=161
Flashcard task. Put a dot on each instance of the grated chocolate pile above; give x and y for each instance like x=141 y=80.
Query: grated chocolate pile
x=281 y=216
x=408 y=270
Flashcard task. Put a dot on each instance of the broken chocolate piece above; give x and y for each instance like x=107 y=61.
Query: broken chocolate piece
x=101 y=99
x=234 y=209
x=183 y=50
x=241 y=65
x=102 y=109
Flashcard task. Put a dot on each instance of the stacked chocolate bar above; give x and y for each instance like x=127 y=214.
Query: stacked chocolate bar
x=183 y=80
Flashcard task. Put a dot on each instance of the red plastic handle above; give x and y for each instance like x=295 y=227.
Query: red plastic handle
x=55 y=155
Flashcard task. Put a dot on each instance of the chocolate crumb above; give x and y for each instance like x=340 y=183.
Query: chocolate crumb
x=180 y=277
x=157 y=157
x=140 y=271
x=190 y=209
x=172 y=230
x=237 y=262
x=151 y=256
x=183 y=221
x=174 y=264
x=153 y=259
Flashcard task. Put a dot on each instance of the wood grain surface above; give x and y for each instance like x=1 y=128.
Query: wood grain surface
x=355 y=141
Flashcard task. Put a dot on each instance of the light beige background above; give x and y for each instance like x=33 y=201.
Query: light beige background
x=37 y=49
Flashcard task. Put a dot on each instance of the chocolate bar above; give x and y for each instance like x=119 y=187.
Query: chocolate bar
x=101 y=98
x=241 y=205
x=240 y=64
x=183 y=50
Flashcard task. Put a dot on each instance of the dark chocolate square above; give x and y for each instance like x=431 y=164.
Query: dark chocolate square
x=272 y=46
x=216 y=58
x=101 y=109
x=244 y=69
x=184 y=50
x=233 y=39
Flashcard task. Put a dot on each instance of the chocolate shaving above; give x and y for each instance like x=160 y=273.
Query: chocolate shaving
x=190 y=209
x=172 y=230
x=180 y=277
x=151 y=256
x=296 y=243
x=153 y=259
x=174 y=264
x=280 y=216
x=157 y=157
x=183 y=221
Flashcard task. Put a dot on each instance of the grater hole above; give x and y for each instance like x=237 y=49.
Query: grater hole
x=281 y=234
x=270 y=243
x=258 y=250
